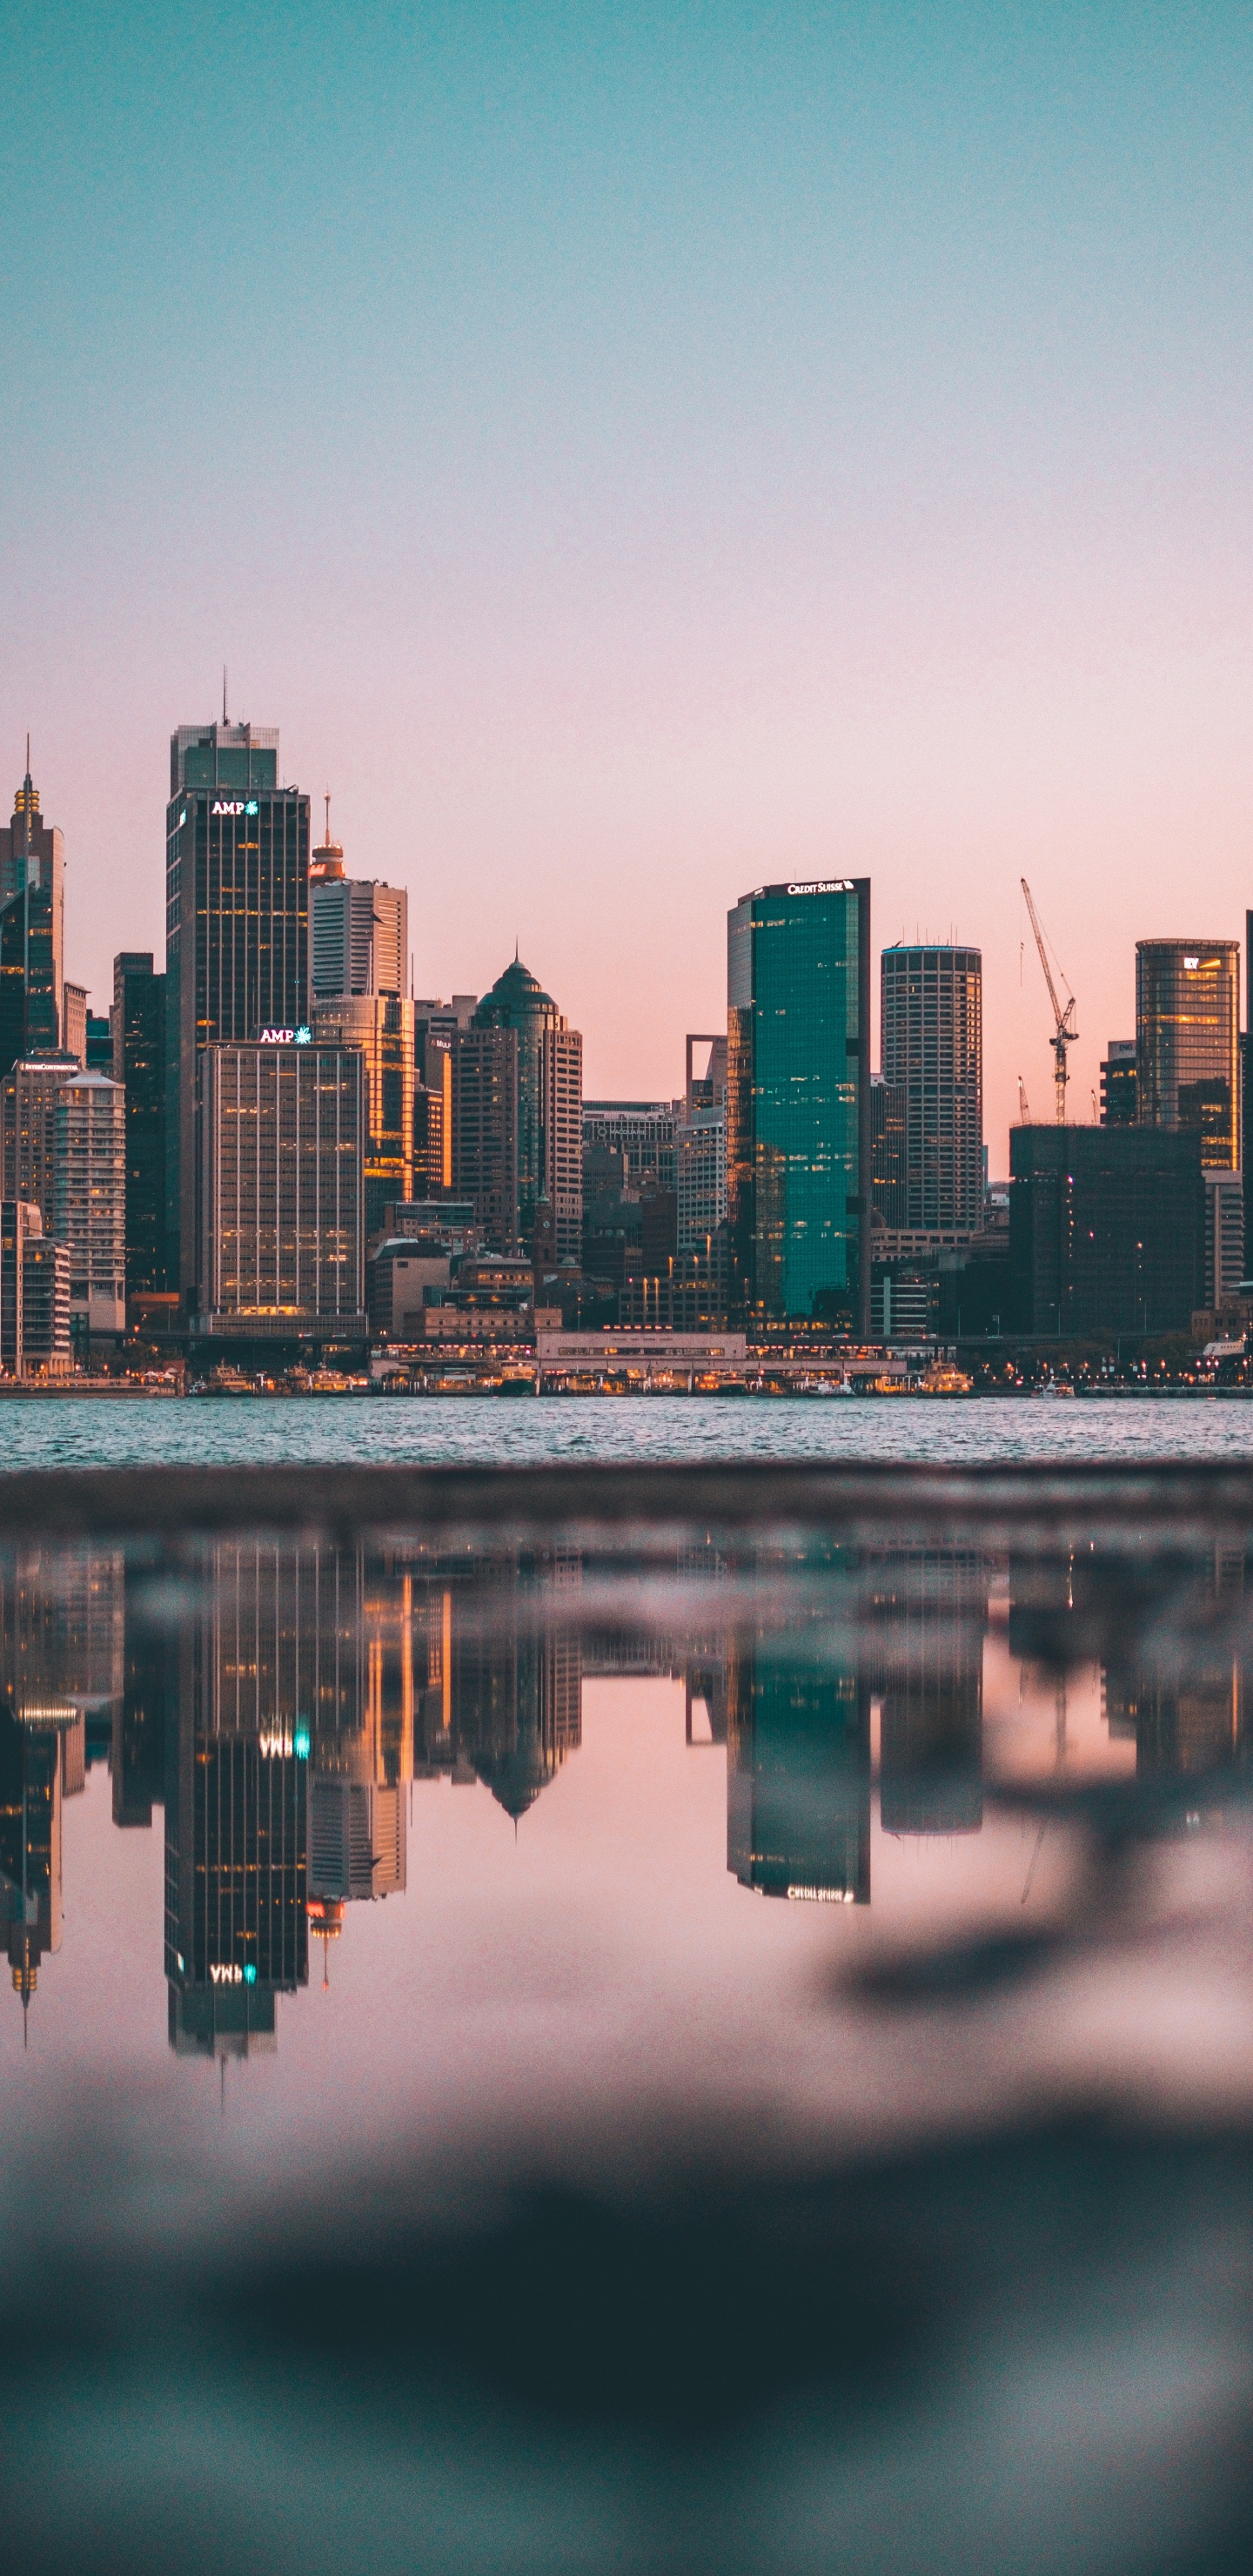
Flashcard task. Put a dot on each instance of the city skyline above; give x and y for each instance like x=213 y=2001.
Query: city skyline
x=695 y=452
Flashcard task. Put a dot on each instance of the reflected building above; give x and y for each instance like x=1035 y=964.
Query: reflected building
x=236 y=1822
x=798 y=1774
x=30 y=1848
x=929 y=1612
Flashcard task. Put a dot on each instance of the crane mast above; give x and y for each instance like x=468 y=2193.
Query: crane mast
x=1065 y=1031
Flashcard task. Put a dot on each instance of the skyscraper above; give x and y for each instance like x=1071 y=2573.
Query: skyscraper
x=932 y=1046
x=138 y=1022
x=32 y=930
x=380 y=1026
x=1188 y=1042
x=1118 y=1083
x=798 y=1100
x=484 y=1135
x=89 y=1200
x=281 y=1132
x=237 y=933
x=550 y=1109
x=358 y=928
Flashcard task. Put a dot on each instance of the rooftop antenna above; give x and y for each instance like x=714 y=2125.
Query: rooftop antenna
x=225 y=717
x=326 y=799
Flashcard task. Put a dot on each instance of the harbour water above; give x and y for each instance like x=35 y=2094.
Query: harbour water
x=481 y=1431
x=708 y=2050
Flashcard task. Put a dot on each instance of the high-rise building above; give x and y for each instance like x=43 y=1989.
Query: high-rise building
x=34 y=1295
x=798 y=1101
x=707 y=1089
x=138 y=1034
x=640 y=1130
x=798 y=1777
x=1188 y=1042
x=1224 y=1236
x=237 y=934
x=281 y=1136
x=1118 y=1083
x=932 y=1044
x=236 y=1808
x=701 y=1172
x=74 y=1020
x=32 y=930
x=98 y=1055
x=484 y=1157
x=28 y=1100
x=889 y=1103
x=1106 y=1229
x=358 y=928
x=89 y=1200
x=381 y=1027
x=550 y=1109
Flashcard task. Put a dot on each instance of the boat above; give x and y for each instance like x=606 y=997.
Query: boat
x=942 y=1378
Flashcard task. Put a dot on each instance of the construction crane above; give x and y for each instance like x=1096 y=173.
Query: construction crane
x=1064 y=1019
x=1024 y=1105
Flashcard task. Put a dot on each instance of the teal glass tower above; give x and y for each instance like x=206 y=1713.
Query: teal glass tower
x=798 y=1102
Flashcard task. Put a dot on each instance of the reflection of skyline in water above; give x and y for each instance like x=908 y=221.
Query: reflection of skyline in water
x=278 y=1703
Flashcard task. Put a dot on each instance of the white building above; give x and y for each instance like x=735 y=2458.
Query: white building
x=89 y=1198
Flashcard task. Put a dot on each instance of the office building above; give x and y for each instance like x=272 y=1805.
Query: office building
x=138 y=1035
x=237 y=934
x=701 y=1176
x=405 y=1274
x=89 y=1200
x=1224 y=1237
x=888 y=1106
x=28 y=1099
x=1188 y=1042
x=358 y=928
x=74 y=1021
x=32 y=930
x=930 y=1620
x=932 y=1047
x=380 y=1027
x=236 y=1807
x=1118 y=1084
x=705 y=1088
x=798 y=1102
x=281 y=1139
x=34 y=1295
x=798 y=1775
x=641 y=1131
x=550 y=1111
x=484 y=1131
x=1106 y=1229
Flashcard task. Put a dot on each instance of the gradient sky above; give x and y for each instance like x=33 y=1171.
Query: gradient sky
x=633 y=453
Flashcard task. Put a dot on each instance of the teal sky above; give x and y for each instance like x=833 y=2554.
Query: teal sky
x=633 y=453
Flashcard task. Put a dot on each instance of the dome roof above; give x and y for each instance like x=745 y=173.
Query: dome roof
x=517 y=994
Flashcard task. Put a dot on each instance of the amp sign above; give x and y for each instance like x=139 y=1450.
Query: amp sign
x=286 y=1037
x=235 y=805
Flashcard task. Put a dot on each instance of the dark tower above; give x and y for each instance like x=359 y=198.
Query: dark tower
x=138 y=1063
x=237 y=933
x=32 y=914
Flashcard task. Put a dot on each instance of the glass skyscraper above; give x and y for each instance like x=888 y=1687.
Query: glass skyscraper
x=798 y=1101
x=237 y=933
x=1188 y=1042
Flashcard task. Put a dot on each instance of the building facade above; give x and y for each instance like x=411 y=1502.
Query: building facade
x=281 y=1138
x=28 y=1101
x=237 y=934
x=1188 y=1042
x=888 y=1108
x=380 y=1027
x=701 y=1179
x=1107 y=1229
x=89 y=1200
x=550 y=1109
x=932 y=1048
x=643 y=1131
x=138 y=1034
x=358 y=928
x=484 y=1133
x=798 y=1101
x=1118 y=1084
x=32 y=930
